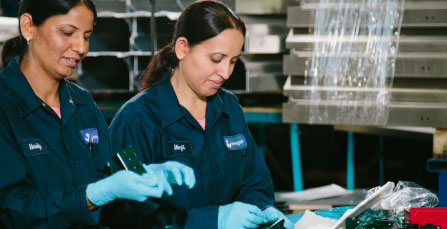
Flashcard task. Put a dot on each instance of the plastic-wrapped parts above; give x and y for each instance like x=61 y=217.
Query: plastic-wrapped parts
x=357 y=52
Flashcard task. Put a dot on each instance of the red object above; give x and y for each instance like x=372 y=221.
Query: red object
x=435 y=216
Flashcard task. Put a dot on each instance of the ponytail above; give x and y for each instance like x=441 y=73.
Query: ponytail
x=199 y=21
x=163 y=62
x=13 y=47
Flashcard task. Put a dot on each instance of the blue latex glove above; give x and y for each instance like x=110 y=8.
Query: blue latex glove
x=172 y=172
x=239 y=215
x=272 y=214
x=126 y=185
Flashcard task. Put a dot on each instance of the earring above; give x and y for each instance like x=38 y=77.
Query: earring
x=27 y=40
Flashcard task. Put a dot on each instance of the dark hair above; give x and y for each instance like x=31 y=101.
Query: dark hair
x=198 y=22
x=40 y=10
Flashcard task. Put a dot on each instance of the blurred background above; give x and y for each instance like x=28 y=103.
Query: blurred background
x=270 y=81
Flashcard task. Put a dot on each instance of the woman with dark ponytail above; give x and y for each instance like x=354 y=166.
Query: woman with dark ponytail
x=183 y=114
x=14 y=46
x=54 y=140
x=161 y=63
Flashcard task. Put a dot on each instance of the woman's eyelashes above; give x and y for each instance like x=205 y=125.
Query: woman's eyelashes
x=70 y=33
x=217 y=61
x=67 y=33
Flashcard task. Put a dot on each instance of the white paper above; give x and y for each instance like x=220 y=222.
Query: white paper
x=365 y=204
x=316 y=193
x=311 y=220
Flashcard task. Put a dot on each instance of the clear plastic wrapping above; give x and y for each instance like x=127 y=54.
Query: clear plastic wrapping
x=405 y=196
x=353 y=60
x=397 y=202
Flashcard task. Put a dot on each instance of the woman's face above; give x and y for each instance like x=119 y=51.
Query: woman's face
x=61 y=42
x=207 y=65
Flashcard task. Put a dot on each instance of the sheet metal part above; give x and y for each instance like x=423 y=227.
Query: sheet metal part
x=405 y=112
x=265 y=35
x=122 y=6
x=263 y=6
x=264 y=43
x=434 y=43
x=418 y=56
x=407 y=66
x=418 y=93
x=417 y=13
x=118 y=6
x=263 y=72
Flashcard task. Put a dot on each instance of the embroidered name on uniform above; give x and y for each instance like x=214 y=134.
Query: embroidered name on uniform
x=235 y=142
x=179 y=147
x=90 y=135
x=35 y=146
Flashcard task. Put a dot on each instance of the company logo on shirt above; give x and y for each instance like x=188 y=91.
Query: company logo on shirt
x=93 y=138
x=232 y=144
x=179 y=147
x=90 y=135
x=235 y=142
x=35 y=146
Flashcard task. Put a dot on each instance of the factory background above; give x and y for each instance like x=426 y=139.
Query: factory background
x=129 y=31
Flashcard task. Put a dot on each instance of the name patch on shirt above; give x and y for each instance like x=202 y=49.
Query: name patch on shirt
x=34 y=147
x=235 y=142
x=179 y=148
x=90 y=135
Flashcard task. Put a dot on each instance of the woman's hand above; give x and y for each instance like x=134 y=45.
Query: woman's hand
x=172 y=172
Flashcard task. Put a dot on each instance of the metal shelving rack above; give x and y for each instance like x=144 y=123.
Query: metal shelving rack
x=127 y=33
x=417 y=96
x=264 y=43
x=418 y=92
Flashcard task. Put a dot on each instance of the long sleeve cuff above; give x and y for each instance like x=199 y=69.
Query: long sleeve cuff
x=74 y=206
x=205 y=217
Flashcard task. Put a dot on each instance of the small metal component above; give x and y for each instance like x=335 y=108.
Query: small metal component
x=125 y=159
x=279 y=224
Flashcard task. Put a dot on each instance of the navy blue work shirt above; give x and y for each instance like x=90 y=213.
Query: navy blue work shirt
x=46 y=162
x=224 y=156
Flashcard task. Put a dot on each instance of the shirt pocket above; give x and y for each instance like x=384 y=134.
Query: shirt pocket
x=236 y=145
x=91 y=139
x=42 y=167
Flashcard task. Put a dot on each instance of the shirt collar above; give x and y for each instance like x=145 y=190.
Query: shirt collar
x=171 y=110
x=215 y=108
x=26 y=100
x=68 y=93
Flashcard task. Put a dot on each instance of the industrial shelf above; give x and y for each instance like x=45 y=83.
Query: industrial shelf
x=121 y=45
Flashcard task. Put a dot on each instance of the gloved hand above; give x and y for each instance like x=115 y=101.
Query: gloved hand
x=273 y=214
x=126 y=185
x=239 y=215
x=172 y=172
